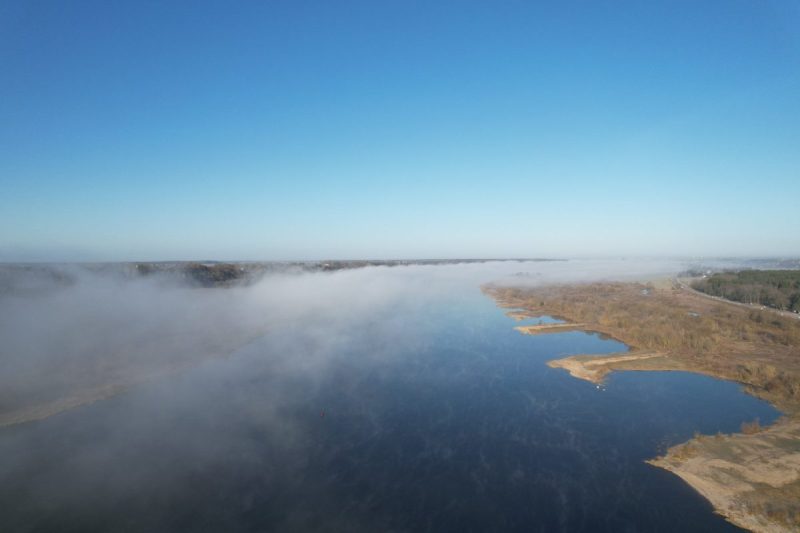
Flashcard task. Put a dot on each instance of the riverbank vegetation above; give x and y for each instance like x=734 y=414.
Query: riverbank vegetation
x=752 y=478
x=759 y=349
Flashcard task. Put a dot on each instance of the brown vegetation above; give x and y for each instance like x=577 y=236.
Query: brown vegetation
x=752 y=478
x=751 y=428
x=758 y=349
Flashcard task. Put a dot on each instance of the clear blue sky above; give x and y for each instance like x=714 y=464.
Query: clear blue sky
x=299 y=130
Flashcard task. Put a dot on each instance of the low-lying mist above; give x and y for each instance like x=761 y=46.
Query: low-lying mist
x=67 y=345
x=304 y=401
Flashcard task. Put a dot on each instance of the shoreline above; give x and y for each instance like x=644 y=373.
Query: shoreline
x=753 y=479
x=128 y=380
x=595 y=368
x=750 y=479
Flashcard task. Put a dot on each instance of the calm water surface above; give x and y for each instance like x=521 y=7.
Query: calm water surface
x=433 y=418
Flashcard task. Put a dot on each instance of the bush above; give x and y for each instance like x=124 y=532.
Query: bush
x=751 y=428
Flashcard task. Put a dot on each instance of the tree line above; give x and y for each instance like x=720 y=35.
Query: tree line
x=779 y=289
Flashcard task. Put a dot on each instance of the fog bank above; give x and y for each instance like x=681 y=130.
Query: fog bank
x=63 y=346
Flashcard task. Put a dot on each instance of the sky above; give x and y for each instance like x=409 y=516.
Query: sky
x=398 y=129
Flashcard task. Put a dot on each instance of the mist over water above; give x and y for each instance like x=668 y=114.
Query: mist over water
x=376 y=399
x=103 y=329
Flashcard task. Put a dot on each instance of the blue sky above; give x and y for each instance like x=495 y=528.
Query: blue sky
x=302 y=130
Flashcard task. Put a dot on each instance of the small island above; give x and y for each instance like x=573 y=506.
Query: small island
x=752 y=478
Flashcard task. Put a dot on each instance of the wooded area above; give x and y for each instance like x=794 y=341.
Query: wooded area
x=779 y=289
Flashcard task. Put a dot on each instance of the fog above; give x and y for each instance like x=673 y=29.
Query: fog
x=141 y=389
x=101 y=334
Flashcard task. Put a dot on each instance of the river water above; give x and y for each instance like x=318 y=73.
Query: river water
x=429 y=417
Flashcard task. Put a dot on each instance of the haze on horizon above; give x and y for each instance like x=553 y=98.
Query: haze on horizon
x=309 y=130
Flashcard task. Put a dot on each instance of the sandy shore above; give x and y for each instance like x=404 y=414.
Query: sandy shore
x=595 y=369
x=753 y=479
x=548 y=328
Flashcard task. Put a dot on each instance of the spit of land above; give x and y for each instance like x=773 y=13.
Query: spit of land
x=752 y=478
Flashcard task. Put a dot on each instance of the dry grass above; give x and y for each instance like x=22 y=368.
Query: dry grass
x=752 y=478
x=751 y=428
x=759 y=350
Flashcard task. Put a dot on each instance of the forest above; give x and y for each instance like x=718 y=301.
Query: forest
x=779 y=289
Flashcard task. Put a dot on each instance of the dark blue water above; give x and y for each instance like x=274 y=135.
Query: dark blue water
x=432 y=418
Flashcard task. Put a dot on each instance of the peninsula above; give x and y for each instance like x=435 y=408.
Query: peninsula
x=751 y=478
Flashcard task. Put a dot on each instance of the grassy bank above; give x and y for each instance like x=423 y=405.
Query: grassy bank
x=752 y=478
